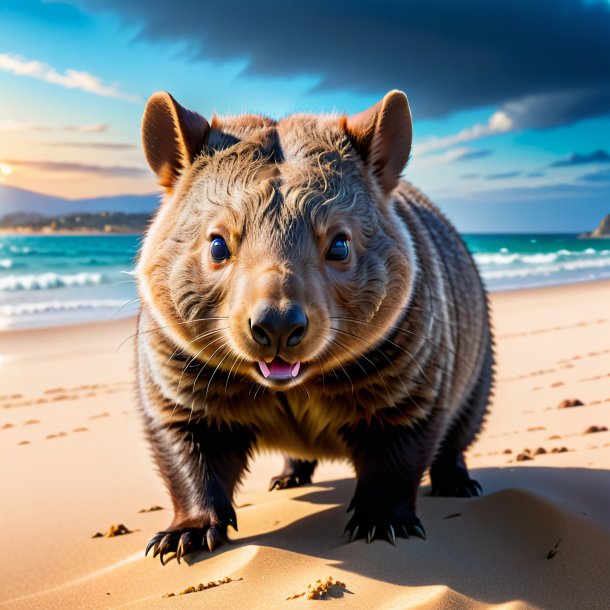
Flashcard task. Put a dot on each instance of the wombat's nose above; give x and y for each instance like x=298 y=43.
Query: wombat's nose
x=278 y=329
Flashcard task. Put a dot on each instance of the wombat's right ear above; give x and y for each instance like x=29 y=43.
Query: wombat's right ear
x=172 y=137
x=382 y=135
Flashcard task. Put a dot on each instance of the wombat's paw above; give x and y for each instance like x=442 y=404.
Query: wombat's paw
x=296 y=473
x=181 y=541
x=458 y=489
x=178 y=543
x=284 y=481
x=399 y=523
x=450 y=477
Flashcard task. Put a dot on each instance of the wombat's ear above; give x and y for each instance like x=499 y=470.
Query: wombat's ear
x=172 y=137
x=382 y=135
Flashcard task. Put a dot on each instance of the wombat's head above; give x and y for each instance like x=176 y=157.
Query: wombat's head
x=277 y=254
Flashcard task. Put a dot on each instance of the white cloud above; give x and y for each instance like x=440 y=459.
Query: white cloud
x=499 y=122
x=70 y=79
x=10 y=125
x=91 y=128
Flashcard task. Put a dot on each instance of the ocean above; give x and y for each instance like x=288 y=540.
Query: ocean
x=52 y=280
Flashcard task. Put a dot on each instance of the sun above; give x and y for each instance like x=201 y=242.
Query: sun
x=5 y=170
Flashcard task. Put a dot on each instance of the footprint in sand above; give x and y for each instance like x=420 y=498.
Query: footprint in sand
x=58 y=435
x=54 y=390
x=30 y=422
x=81 y=429
x=24 y=443
x=7 y=426
x=100 y=415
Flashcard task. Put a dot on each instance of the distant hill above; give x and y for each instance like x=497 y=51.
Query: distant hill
x=14 y=200
x=100 y=222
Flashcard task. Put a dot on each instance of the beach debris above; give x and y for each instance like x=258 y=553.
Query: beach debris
x=203 y=587
x=114 y=530
x=524 y=456
x=559 y=450
x=507 y=451
x=323 y=590
x=152 y=509
x=540 y=451
x=453 y=516
x=593 y=429
x=554 y=550
x=570 y=402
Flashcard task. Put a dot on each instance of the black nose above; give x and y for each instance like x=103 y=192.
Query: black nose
x=275 y=328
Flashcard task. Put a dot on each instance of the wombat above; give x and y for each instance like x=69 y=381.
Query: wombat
x=296 y=294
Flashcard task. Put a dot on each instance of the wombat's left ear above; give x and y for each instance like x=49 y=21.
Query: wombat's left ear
x=172 y=137
x=382 y=135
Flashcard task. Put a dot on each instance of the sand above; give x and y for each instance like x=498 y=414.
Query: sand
x=74 y=463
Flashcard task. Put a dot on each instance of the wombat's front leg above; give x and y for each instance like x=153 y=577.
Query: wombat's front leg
x=200 y=465
x=389 y=462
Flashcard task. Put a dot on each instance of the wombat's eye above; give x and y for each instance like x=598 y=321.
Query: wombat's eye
x=219 y=251
x=339 y=249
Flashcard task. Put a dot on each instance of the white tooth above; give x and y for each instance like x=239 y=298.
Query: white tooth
x=264 y=368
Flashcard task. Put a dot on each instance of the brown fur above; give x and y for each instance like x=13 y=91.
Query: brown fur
x=396 y=361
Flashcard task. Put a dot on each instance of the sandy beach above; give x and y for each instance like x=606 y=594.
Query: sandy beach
x=74 y=462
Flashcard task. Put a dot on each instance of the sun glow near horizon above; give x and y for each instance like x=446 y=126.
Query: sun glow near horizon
x=5 y=170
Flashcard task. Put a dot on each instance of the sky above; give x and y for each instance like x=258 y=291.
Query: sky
x=510 y=100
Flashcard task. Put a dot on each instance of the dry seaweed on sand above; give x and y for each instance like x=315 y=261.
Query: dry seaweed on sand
x=323 y=590
x=204 y=587
x=114 y=530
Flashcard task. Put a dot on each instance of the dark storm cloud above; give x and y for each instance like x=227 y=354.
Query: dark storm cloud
x=601 y=176
x=467 y=155
x=544 y=63
x=597 y=156
x=503 y=176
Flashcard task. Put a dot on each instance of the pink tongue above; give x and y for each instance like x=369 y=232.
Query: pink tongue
x=278 y=369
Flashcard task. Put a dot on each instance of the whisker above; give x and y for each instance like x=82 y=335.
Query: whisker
x=387 y=359
x=153 y=330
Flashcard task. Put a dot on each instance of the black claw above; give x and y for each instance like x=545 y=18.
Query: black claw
x=233 y=523
x=391 y=535
x=354 y=533
x=478 y=487
x=371 y=535
x=418 y=530
x=153 y=541
x=404 y=531
x=184 y=545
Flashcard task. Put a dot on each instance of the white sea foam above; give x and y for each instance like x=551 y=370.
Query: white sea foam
x=6 y=263
x=48 y=280
x=24 y=309
x=545 y=270
x=535 y=258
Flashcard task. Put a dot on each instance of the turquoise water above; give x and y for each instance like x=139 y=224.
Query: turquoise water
x=47 y=280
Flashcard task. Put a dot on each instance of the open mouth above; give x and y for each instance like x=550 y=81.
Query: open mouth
x=279 y=369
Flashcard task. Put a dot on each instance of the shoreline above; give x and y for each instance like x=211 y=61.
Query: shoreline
x=492 y=295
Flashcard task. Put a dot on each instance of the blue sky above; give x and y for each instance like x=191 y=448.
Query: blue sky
x=511 y=102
